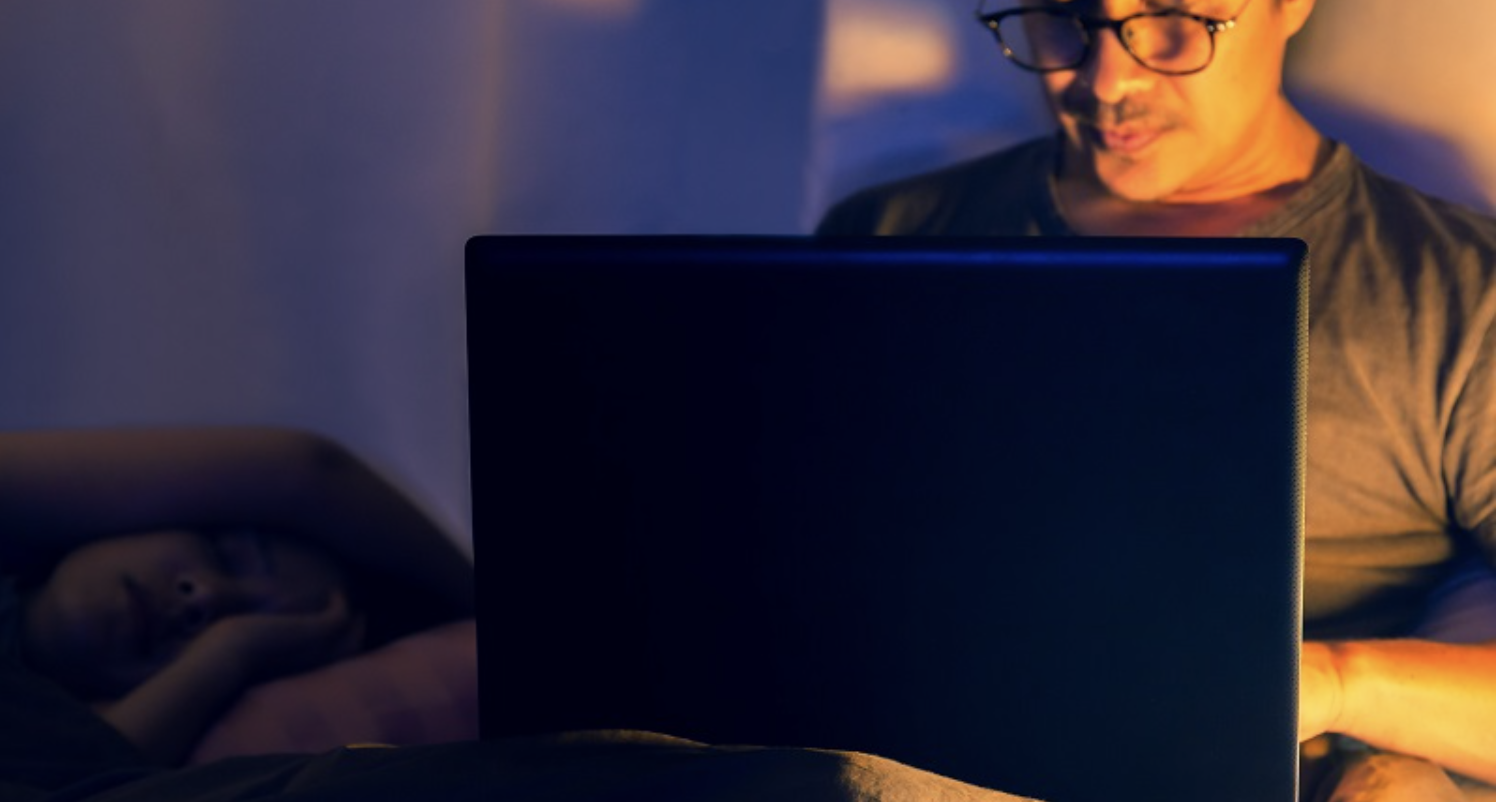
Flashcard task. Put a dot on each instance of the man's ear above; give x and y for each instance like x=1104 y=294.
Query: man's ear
x=1295 y=14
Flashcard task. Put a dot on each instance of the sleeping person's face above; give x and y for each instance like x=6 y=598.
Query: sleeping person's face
x=114 y=612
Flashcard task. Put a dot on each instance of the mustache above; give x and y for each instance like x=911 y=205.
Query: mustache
x=1082 y=105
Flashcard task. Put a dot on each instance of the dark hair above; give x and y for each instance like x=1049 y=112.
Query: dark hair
x=393 y=607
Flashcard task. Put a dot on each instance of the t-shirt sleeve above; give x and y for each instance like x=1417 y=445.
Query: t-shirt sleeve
x=50 y=741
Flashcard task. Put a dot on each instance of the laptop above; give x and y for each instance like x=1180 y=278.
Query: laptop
x=1026 y=513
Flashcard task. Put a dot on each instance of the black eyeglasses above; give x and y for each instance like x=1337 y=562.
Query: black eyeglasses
x=1050 y=39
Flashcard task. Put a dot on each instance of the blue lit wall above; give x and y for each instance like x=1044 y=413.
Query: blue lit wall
x=254 y=212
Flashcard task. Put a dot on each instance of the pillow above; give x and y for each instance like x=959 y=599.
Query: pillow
x=420 y=689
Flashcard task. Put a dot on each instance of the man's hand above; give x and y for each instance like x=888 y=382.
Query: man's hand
x=1320 y=691
x=259 y=646
x=166 y=714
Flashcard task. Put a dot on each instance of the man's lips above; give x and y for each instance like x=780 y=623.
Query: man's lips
x=1124 y=140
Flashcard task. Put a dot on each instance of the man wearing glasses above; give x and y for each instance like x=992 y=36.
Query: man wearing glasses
x=1173 y=122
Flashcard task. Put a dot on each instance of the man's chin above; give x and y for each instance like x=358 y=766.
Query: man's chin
x=1137 y=185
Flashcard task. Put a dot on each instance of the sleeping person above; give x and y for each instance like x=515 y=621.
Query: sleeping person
x=162 y=630
x=157 y=574
x=151 y=576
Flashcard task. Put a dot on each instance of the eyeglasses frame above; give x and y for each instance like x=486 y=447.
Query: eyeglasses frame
x=1089 y=25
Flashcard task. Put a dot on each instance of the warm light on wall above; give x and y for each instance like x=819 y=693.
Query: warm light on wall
x=1424 y=66
x=876 y=48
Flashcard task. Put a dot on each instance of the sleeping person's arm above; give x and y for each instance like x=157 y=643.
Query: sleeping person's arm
x=165 y=715
x=61 y=489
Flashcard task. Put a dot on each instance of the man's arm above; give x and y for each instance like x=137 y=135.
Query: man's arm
x=60 y=489
x=1431 y=700
x=167 y=713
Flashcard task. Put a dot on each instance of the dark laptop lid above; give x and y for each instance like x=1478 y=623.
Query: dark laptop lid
x=1026 y=513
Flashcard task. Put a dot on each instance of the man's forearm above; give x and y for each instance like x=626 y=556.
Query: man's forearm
x=167 y=713
x=352 y=510
x=61 y=489
x=1431 y=700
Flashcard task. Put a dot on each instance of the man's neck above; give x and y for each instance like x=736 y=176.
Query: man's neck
x=1090 y=209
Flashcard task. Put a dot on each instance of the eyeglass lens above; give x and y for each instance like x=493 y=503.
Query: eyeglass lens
x=1055 y=40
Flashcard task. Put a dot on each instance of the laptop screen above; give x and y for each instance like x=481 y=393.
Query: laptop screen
x=1026 y=513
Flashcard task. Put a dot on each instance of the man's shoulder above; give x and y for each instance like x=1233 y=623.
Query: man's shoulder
x=1407 y=212
x=980 y=196
x=1451 y=246
x=1367 y=229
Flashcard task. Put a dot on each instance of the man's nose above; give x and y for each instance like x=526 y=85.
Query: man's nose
x=1111 y=71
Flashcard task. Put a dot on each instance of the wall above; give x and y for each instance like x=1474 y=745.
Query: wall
x=1409 y=87
x=220 y=212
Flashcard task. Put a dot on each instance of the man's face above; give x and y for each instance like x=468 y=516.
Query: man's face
x=1144 y=136
x=114 y=612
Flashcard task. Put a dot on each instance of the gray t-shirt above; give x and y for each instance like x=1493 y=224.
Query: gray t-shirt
x=1402 y=397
